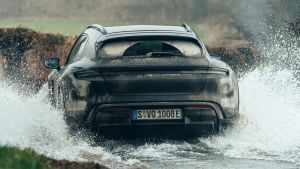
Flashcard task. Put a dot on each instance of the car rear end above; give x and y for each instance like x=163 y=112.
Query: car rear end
x=154 y=87
x=159 y=119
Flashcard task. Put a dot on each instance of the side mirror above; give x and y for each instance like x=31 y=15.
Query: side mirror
x=52 y=63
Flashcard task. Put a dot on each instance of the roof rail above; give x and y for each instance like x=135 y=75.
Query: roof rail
x=99 y=28
x=187 y=27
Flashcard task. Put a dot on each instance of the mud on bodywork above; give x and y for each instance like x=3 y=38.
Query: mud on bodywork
x=103 y=92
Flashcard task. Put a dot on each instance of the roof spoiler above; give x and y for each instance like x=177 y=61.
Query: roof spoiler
x=99 y=28
x=187 y=27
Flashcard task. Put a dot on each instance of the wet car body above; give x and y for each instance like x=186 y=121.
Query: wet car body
x=127 y=96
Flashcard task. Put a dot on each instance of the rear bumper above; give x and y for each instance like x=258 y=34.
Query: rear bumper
x=189 y=125
x=157 y=130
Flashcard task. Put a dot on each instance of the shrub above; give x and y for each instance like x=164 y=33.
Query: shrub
x=13 y=158
x=23 y=51
x=14 y=42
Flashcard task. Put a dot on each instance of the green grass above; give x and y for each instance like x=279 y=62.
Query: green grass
x=75 y=27
x=14 y=158
x=67 y=27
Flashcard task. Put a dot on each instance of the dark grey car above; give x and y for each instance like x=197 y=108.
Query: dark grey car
x=144 y=80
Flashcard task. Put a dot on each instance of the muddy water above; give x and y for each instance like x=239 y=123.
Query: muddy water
x=267 y=135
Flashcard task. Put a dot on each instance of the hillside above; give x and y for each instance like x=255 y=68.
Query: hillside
x=137 y=11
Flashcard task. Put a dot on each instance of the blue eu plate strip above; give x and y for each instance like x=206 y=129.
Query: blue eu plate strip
x=134 y=114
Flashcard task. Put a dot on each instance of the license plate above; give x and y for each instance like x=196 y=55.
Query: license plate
x=156 y=114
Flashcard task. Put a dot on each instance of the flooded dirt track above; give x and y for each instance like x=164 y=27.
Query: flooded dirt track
x=267 y=135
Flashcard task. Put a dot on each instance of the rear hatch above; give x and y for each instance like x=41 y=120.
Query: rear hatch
x=149 y=76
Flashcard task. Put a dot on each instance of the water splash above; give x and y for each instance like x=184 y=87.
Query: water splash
x=271 y=131
x=270 y=106
x=29 y=121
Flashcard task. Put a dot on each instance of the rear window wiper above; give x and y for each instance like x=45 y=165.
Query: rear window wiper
x=162 y=54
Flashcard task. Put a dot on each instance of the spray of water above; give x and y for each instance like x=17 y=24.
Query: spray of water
x=29 y=121
x=270 y=107
x=269 y=128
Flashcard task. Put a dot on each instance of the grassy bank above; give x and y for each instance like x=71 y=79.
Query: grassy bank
x=66 y=27
x=14 y=158
x=214 y=31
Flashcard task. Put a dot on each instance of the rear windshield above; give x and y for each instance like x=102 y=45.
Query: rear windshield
x=149 y=48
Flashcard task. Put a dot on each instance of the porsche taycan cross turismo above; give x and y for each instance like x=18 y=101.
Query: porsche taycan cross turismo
x=144 y=80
